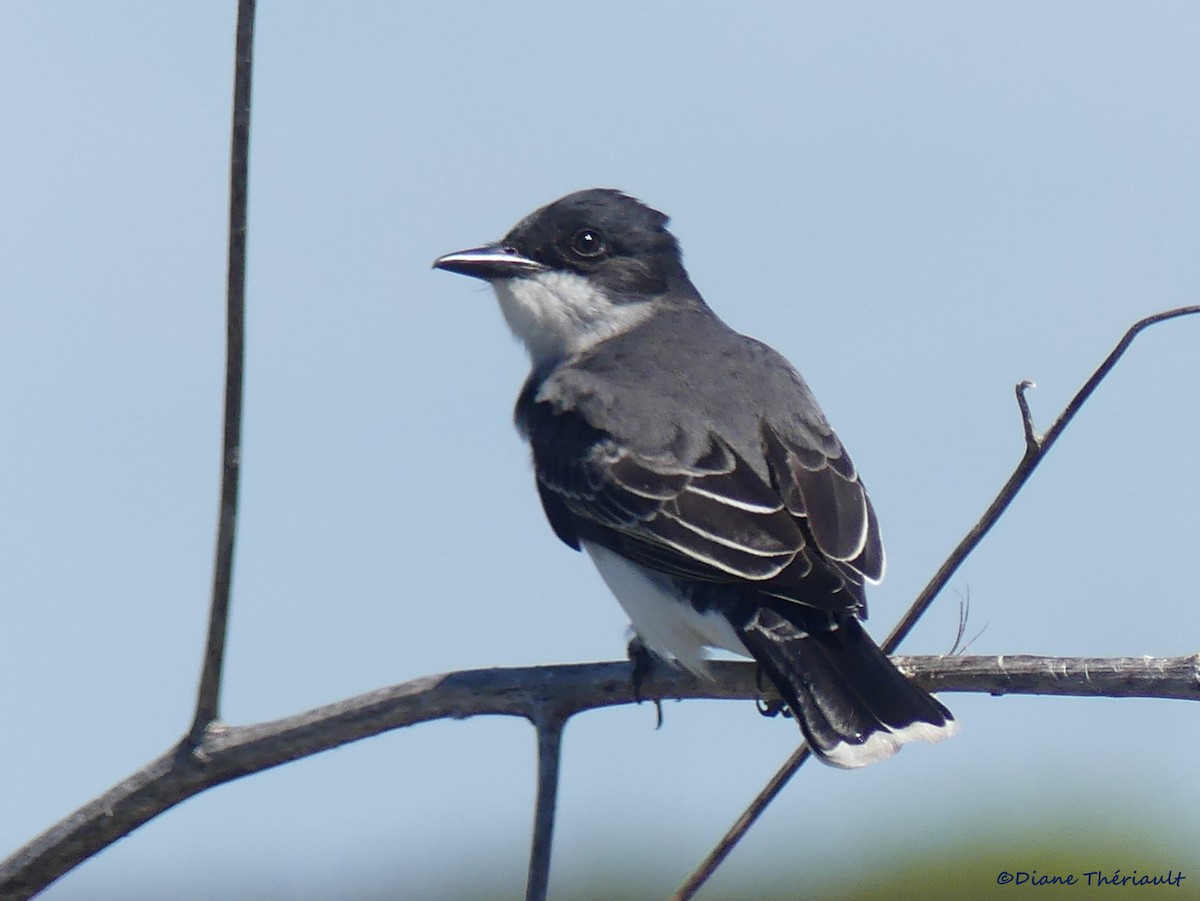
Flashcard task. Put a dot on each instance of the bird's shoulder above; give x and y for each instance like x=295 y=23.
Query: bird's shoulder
x=684 y=372
x=736 y=423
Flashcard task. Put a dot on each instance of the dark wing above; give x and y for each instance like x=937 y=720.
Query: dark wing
x=822 y=490
x=713 y=519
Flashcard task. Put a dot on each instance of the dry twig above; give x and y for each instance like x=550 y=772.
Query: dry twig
x=208 y=696
x=1036 y=449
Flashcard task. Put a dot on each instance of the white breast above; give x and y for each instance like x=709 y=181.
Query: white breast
x=558 y=314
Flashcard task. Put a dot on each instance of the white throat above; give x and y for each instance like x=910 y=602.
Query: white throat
x=559 y=314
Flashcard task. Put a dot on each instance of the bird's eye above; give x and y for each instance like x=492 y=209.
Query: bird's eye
x=588 y=242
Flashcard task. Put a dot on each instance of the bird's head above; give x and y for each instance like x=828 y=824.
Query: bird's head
x=581 y=269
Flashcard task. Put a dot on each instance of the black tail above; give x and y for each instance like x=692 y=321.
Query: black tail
x=853 y=705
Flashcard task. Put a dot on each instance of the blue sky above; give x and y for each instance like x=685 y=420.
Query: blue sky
x=918 y=203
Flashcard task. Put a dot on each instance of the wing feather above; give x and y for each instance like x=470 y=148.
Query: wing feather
x=832 y=503
x=808 y=534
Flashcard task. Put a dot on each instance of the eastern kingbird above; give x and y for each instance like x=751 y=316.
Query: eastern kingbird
x=695 y=468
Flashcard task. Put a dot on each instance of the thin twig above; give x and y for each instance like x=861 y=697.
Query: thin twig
x=1033 y=442
x=964 y=614
x=549 y=738
x=1035 y=451
x=231 y=752
x=208 y=695
x=1020 y=476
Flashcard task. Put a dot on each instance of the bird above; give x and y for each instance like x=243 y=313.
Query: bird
x=694 y=467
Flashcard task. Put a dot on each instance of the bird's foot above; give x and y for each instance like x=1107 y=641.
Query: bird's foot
x=643 y=661
x=768 y=706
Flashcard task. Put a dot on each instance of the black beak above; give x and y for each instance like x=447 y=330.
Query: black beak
x=489 y=262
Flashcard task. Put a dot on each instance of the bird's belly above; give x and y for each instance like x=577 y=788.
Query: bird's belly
x=666 y=623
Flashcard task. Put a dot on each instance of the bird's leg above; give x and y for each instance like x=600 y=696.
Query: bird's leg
x=643 y=661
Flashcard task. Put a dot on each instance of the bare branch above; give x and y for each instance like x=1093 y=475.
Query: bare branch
x=1176 y=678
x=1020 y=476
x=549 y=736
x=1033 y=442
x=226 y=753
x=741 y=825
x=1035 y=451
x=208 y=695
